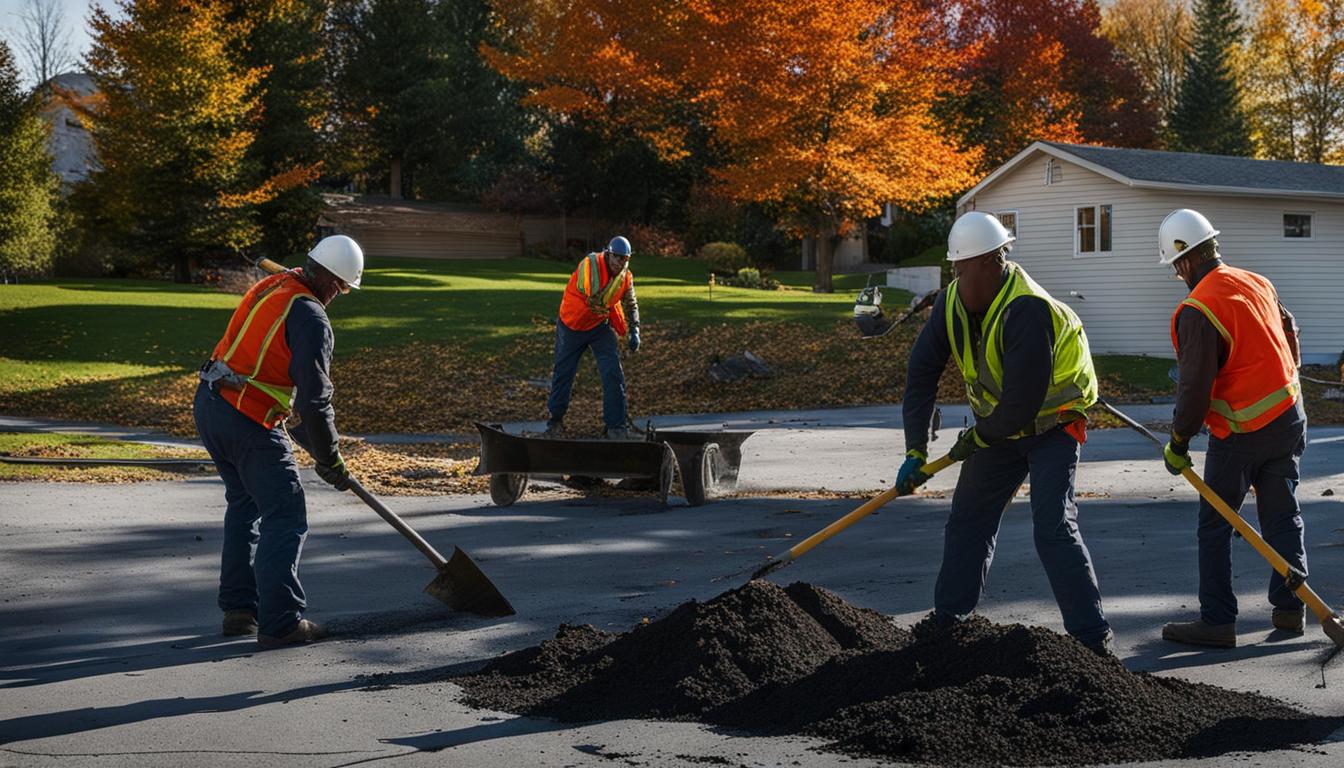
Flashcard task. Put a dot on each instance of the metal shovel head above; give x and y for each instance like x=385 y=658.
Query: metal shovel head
x=1334 y=629
x=463 y=586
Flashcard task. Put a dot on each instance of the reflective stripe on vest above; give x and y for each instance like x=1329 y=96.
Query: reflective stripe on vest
x=1258 y=381
x=1073 y=385
x=250 y=348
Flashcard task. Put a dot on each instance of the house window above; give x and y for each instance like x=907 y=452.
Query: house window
x=1297 y=225
x=1092 y=231
x=1009 y=221
x=1052 y=170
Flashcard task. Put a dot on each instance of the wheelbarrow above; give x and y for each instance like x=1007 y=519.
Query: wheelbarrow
x=707 y=460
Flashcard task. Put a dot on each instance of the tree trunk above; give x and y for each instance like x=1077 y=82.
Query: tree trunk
x=394 y=185
x=181 y=268
x=821 y=283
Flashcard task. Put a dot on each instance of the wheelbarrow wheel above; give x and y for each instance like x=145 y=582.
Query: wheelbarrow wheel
x=507 y=487
x=700 y=479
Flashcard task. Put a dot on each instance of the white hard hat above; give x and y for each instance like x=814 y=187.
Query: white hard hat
x=975 y=234
x=1182 y=230
x=341 y=256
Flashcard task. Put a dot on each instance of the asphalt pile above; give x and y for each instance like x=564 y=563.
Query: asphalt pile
x=800 y=660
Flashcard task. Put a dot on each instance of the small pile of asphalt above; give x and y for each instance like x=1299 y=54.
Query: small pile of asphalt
x=769 y=660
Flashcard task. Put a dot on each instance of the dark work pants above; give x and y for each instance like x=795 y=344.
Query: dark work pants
x=266 y=520
x=1266 y=460
x=569 y=347
x=989 y=479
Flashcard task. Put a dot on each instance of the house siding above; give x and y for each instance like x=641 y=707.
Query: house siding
x=1129 y=297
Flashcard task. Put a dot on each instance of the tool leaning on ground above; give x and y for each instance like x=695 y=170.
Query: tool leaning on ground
x=460 y=583
x=1331 y=623
x=869 y=507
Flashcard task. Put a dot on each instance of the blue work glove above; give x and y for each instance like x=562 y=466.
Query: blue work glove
x=336 y=474
x=1176 y=455
x=634 y=339
x=968 y=442
x=909 y=477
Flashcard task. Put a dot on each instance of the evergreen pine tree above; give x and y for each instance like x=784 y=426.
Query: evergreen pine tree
x=1209 y=117
x=27 y=185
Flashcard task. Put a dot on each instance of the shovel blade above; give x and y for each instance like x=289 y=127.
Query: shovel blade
x=463 y=586
x=1334 y=629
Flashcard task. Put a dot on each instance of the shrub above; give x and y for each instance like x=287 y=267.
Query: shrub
x=725 y=258
x=750 y=277
x=650 y=240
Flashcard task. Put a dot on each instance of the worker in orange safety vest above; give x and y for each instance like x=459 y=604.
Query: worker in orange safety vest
x=599 y=304
x=1237 y=355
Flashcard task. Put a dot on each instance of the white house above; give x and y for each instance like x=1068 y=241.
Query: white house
x=1086 y=222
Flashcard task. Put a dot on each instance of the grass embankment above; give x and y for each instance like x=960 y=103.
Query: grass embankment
x=430 y=346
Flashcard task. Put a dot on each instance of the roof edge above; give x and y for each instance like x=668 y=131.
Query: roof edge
x=1049 y=149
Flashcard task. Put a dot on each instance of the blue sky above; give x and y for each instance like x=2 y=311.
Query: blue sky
x=76 y=16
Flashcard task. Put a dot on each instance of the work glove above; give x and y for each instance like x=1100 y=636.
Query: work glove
x=335 y=473
x=909 y=477
x=1176 y=455
x=968 y=442
x=634 y=339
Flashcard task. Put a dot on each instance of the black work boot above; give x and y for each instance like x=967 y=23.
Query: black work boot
x=305 y=632
x=239 y=622
x=1101 y=645
x=554 y=429
x=1197 y=632
x=1290 y=619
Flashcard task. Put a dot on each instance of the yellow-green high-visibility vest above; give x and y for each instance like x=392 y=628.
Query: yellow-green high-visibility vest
x=1073 y=387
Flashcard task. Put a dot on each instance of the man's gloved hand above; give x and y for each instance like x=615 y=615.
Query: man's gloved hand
x=909 y=477
x=968 y=442
x=634 y=339
x=1176 y=455
x=336 y=474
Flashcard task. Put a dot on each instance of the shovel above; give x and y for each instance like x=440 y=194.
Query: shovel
x=868 y=508
x=1331 y=623
x=460 y=585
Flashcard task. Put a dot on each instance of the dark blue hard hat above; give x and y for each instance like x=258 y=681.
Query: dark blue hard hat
x=619 y=246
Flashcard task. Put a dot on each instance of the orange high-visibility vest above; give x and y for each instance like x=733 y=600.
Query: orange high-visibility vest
x=592 y=296
x=254 y=347
x=1259 y=380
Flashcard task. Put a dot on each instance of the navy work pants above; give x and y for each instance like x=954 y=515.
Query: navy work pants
x=989 y=479
x=266 y=520
x=569 y=347
x=1266 y=460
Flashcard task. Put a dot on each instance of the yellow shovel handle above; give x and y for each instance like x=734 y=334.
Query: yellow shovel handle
x=1248 y=532
x=868 y=508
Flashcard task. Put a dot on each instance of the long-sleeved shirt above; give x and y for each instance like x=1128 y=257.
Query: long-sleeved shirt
x=1202 y=352
x=1028 y=364
x=308 y=333
x=630 y=305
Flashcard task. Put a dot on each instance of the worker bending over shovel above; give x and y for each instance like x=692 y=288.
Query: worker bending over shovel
x=598 y=305
x=1029 y=379
x=277 y=345
x=1237 y=355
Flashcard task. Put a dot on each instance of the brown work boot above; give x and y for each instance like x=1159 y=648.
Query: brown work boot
x=306 y=632
x=1290 y=620
x=1199 y=633
x=237 y=623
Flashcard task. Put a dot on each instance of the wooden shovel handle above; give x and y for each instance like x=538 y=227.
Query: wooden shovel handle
x=396 y=522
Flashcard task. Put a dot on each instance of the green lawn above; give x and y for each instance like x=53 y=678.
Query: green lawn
x=66 y=445
x=99 y=330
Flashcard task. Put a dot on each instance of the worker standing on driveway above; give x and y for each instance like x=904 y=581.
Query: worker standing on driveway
x=278 y=344
x=1029 y=379
x=599 y=304
x=1237 y=354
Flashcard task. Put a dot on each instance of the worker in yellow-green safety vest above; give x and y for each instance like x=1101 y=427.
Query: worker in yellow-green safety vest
x=1029 y=380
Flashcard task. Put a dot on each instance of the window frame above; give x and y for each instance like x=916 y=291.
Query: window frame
x=1311 y=225
x=1017 y=221
x=1096 y=218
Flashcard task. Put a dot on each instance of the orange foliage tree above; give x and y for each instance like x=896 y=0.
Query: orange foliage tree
x=173 y=122
x=822 y=111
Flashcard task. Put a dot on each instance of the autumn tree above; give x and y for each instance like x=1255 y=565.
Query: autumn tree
x=1041 y=69
x=285 y=41
x=174 y=125
x=1295 y=80
x=1155 y=36
x=1209 y=116
x=28 y=191
x=823 y=112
